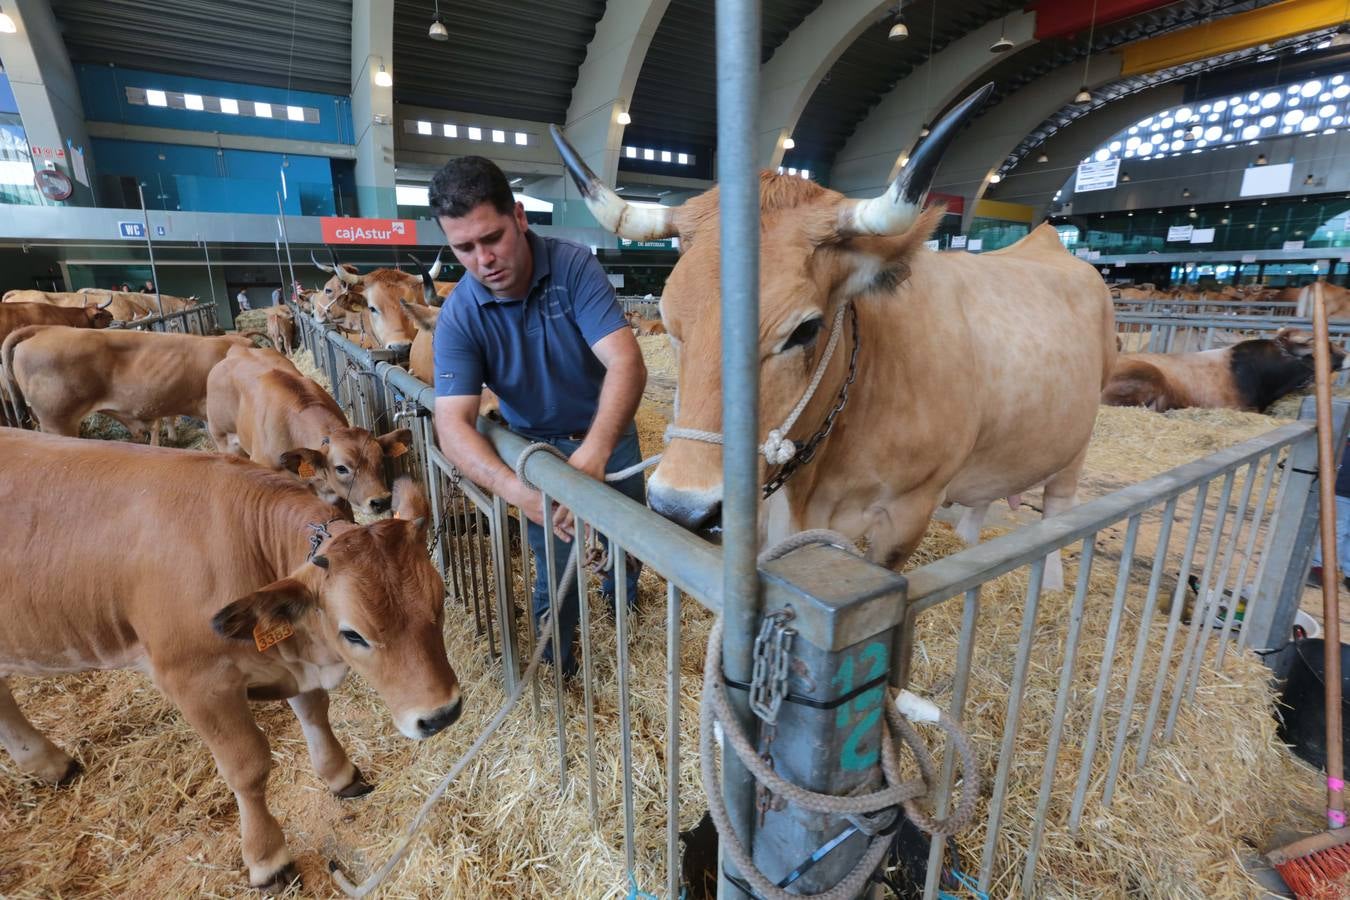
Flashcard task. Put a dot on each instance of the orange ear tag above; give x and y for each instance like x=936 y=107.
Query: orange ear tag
x=305 y=469
x=398 y=450
x=266 y=638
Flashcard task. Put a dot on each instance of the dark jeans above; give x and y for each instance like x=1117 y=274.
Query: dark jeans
x=626 y=453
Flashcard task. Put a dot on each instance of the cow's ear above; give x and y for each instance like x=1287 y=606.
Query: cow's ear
x=873 y=264
x=279 y=603
x=410 y=505
x=305 y=462
x=396 y=443
x=1294 y=341
x=424 y=317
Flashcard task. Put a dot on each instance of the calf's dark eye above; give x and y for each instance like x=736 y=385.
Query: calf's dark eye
x=804 y=335
x=342 y=470
x=352 y=637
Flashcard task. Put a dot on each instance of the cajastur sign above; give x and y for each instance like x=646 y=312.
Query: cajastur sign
x=368 y=231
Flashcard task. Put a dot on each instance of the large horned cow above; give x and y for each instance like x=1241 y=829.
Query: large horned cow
x=942 y=377
x=371 y=304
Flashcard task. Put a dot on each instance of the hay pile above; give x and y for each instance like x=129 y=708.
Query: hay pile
x=251 y=319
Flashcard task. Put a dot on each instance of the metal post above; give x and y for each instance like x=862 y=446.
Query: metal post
x=738 y=51
x=211 y=279
x=1286 y=564
x=150 y=248
x=290 y=265
x=281 y=272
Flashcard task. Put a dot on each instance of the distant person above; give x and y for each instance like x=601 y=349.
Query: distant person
x=276 y=297
x=149 y=287
x=125 y=288
x=242 y=299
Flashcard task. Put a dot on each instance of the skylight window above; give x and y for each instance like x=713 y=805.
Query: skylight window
x=522 y=139
x=475 y=134
x=295 y=113
x=193 y=102
x=262 y=110
x=498 y=136
x=450 y=131
x=424 y=128
x=156 y=98
x=229 y=106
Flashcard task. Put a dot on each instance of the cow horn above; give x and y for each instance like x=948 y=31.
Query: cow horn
x=347 y=277
x=105 y=305
x=428 y=282
x=636 y=223
x=436 y=265
x=897 y=209
x=320 y=266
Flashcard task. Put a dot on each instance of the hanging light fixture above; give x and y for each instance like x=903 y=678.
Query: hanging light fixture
x=383 y=78
x=7 y=25
x=995 y=178
x=1043 y=158
x=1002 y=45
x=1084 y=95
x=624 y=118
x=1124 y=176
x=1260 y=159
x=438 y=31
x=788 y=143
x=899 y=30
x=1309 y=180
x=1185 y=192
x=924 y=131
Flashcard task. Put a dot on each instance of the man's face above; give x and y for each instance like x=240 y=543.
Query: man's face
x=493 y=247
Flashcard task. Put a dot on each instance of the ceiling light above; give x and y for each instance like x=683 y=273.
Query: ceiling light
x=1185 y=192
x=995 y=178
x=6 y=23
x=1260 y=159
x=1083 y=95
x=1308 y=180
x=383 y=78
x=1124 y=176
x=1042 y=158
x=899 y=31
x=1002 y=45
x=789 y=143
x=438 y=31
x=924 y=131
x=904 y=161
x=624 y=119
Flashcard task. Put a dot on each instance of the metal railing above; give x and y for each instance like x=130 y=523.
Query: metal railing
x=199 y=319
x=1184 y=333
x=1245 y=513
x=1153 y=305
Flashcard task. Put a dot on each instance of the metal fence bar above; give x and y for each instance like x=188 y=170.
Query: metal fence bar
x=528 y=590
x=620 y=559
x=584 y=607
x=501 y=571
x=1142 y=640
x=1258 y=518
x=1104 y=676
x=1173 y=622
x=1272 y=530
x=673 y=643
x=1193 y=633
x=1017 y=688
x=555 y=610
x=965 y=650
x=1057 y=720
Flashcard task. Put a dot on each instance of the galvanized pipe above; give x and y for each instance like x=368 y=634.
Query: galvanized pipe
x=587 y=690
x=672 y=740
x=290 y=265
x=555 y=608
x=738 y=60
x=1258 y=516
x=620 y=560
x=150 y=249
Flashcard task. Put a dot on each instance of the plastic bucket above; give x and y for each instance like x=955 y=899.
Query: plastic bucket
x=1303 y=721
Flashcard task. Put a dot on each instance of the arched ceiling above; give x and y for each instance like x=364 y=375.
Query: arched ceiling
x=675 y=102
x=301 y=44
x=511 y=58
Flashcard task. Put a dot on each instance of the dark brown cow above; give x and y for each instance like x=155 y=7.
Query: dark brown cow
x=197 y=569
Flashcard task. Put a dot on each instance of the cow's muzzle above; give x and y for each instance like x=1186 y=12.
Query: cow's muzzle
x=693 y=511
x=440 y=720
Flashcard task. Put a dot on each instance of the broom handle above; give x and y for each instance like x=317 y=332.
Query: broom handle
x=1331 y=578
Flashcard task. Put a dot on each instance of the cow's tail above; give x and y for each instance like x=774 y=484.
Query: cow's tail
x=11 y=382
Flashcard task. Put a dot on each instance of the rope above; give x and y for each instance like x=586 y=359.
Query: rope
x=858 y=808
x=777 y=449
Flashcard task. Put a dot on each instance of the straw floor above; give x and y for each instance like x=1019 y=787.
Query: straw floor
x=151 y=818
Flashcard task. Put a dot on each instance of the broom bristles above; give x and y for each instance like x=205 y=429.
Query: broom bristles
x=1324 y=875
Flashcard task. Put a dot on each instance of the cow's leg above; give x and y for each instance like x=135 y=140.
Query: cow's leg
x=30 y=748
x=330 y=760
x=171 y=429
x=972 y=520
x=243 y=758
x=1061 y=494
x=154 y=432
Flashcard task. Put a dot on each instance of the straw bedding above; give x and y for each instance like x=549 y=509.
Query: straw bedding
x=151 y=817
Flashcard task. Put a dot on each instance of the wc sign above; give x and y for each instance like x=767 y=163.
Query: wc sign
x=368 y=231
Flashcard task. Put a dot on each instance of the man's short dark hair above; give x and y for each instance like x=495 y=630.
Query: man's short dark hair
x=464 y=183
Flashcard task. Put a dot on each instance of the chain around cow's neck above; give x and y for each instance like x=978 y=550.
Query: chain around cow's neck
x=777 y=449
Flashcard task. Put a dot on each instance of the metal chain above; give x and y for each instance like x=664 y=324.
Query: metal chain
x=807 y=451
x=768 y=686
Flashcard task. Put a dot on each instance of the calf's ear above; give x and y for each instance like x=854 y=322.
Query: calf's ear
x=396 y=443
x=279 y=603
x=1299 y=343
x=305 y=462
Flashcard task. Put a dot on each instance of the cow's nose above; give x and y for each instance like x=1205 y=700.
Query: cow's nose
x=398 y=346
x=440 y=720
x=380 y=504
x=693 y=513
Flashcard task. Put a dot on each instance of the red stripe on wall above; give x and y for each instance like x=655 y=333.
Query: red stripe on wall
x=1059 y=18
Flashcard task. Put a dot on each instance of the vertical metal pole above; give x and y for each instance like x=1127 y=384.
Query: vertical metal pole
x=150 y=248
x=290 y=265
x=738 y=52
x=672 y=741
x=210 y=279
x=281 y=272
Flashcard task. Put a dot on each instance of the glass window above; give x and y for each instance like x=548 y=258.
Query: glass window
x=229 y=106
x=262 y=110
x=156 y=98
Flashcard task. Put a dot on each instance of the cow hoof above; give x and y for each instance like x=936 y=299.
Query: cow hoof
x=73 y=771
x=282 y=879
x=358 y=788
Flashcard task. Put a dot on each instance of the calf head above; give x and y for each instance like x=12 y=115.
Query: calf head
x=819 y=251
x=377 y=297
x=350 y=466
x=372 y=598
x=1266 y=370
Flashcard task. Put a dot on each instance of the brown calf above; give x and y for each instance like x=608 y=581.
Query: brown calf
x=259 y=406
x=64 y=374
x=197 y=569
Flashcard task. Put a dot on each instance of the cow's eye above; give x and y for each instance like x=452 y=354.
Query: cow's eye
x=373 y=310
x=328 y=290
x=343 y=470
x=353 y=637
x=804 y=335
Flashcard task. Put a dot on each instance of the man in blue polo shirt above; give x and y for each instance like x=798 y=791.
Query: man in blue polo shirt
x=536 y=320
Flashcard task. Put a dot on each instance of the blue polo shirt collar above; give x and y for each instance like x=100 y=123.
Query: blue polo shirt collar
x=542 y=269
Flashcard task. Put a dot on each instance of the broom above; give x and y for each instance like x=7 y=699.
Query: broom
x=1317 y=866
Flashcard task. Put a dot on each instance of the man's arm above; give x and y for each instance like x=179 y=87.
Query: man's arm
x=620 y=394
x=474 y=455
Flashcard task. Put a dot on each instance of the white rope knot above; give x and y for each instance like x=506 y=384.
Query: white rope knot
x=777 y=449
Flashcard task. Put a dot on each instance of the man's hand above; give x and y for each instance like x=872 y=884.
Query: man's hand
x=590 y=461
